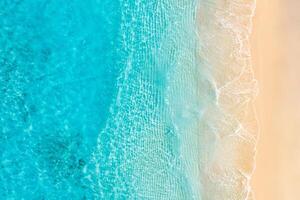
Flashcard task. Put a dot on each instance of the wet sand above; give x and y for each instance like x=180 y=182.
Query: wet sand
x=230 y=124
x=276 y=55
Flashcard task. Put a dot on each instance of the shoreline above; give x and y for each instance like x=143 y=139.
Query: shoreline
x=225 y=29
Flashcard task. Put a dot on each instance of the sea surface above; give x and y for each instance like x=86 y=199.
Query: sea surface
x=96 y=97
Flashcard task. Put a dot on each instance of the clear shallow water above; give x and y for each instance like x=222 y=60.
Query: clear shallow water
x=99 y=99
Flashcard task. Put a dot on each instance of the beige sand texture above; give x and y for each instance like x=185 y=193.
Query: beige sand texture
x=276 y=53
x=230 y=125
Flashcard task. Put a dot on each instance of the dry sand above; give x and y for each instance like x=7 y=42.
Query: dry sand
x=276 y=55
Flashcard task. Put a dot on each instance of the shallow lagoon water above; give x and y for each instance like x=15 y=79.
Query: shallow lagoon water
x=92 y=99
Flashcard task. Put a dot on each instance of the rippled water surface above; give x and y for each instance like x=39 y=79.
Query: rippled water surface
x=96 y=97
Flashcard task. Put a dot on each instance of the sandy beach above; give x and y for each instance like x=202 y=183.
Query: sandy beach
x=224 y=29
x=275 y=47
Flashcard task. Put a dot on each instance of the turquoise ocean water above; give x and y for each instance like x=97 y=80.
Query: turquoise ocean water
x=98 y=99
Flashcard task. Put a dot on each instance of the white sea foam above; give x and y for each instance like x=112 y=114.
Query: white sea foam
x=229 y=127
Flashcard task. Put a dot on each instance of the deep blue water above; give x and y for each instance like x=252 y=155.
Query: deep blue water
x=87 y=105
